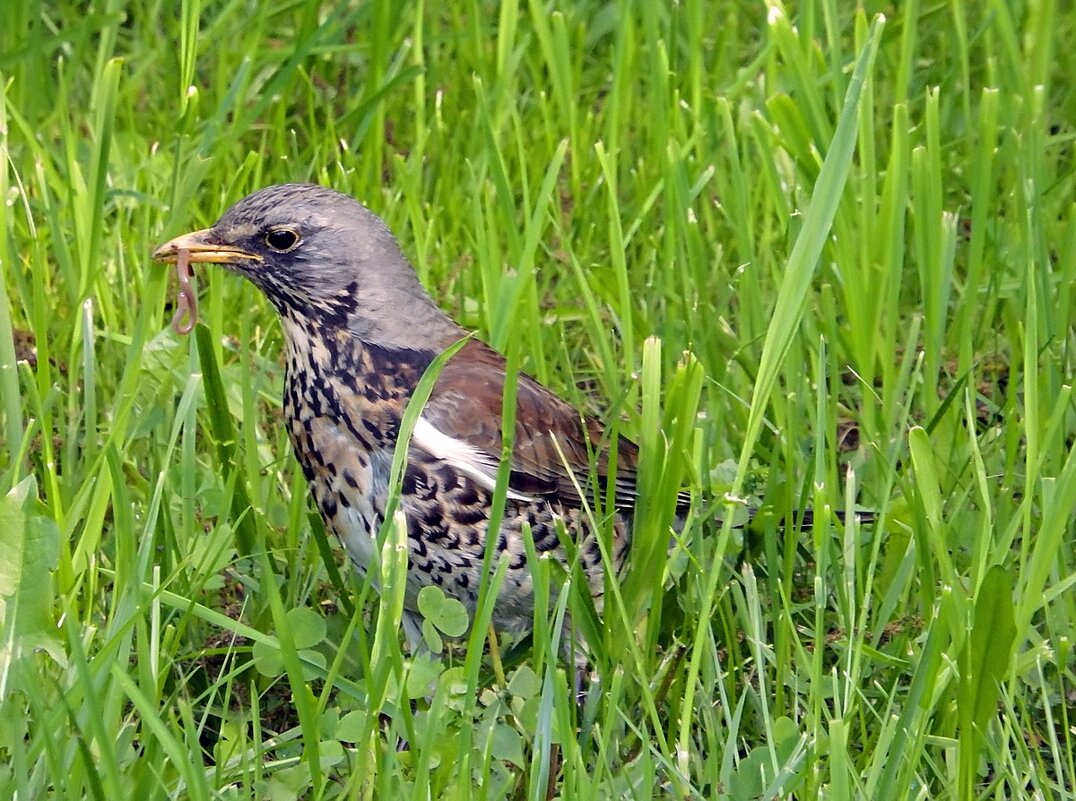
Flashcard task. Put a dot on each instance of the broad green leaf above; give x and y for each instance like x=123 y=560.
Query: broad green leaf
x=29 y=548
x=351 y=727
x=447 y=614
x=987 y=656
x=267 y=659
x=991 y=643
x=307 y=627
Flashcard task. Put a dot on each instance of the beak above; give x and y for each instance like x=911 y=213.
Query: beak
x=203 y=248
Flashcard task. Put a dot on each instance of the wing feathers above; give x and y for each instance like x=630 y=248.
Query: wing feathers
x=469 y=460
x=555 y=446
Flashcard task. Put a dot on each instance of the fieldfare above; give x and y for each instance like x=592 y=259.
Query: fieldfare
x=360 y=330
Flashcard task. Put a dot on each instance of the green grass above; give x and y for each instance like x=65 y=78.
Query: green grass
x=801 y=256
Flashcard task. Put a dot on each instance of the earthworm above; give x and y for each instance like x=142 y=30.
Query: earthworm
x=187 y=300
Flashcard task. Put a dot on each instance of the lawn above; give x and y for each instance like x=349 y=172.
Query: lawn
x=804 y=254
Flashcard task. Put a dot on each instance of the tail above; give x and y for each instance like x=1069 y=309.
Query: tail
x=802 y=519
x=805 y=518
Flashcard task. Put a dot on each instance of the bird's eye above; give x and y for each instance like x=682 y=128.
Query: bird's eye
x=282 y=239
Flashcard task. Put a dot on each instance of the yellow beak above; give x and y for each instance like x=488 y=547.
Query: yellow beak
x=203 y=249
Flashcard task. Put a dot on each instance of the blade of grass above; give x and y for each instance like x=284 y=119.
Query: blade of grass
x=786 y=316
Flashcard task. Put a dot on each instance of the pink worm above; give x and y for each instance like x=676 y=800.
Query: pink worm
x=187 y=300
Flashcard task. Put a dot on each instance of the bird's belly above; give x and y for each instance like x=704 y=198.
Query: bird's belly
x=349 y=483
x=350 y=527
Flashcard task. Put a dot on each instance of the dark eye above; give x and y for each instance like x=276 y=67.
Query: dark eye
x=282 y=239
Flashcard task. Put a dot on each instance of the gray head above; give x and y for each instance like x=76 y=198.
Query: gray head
x=322 y=258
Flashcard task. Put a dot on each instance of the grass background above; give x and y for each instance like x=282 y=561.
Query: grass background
x=645 y=206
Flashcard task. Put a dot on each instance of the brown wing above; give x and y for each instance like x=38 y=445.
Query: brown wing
x=555 y=446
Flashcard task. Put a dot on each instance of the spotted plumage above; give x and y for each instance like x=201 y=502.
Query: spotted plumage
x=360 y=331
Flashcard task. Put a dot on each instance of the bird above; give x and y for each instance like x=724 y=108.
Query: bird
x=360 y=330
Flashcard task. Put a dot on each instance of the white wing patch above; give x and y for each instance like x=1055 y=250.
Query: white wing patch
x=469 y=460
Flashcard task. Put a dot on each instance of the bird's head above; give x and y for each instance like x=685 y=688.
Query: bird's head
x=319 y=256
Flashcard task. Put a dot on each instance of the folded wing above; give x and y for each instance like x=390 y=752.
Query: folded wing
x=556 y=448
